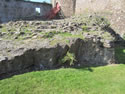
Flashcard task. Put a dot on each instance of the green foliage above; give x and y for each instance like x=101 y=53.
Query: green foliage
x=50 y=34
x=63 y=37
x=68 y=58
x=66 y=35
x=53 y=33
x=107 y=35
x=85 y=28
x=120 y=54
x=4 y=29
x=101 y=80
x=101 y=21
x=95 y=20
x=61 y=34
x=27 y=31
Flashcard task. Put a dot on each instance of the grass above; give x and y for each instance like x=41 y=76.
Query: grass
x=100 y=80
x=61 y=37
x=4 y=29
x=85 y=28
x=69 y=35
x=50 y=34
x=61 y=34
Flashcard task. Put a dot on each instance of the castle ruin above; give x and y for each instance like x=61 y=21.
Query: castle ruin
x=71 y=7
x=114 y=10
x=16 y=9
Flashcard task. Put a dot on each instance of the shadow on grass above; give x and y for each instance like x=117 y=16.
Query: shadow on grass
x=120 y=54
x=85 y=69
x=9 y=75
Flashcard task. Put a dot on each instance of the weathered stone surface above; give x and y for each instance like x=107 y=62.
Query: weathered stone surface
x=39 y=56
x=90 y=53
x=33 y=56
x=38 y=45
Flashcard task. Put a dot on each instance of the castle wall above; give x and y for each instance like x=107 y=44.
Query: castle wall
x=97 y=5
x=88 y=5
x=71 y=7
x=114 y=10
x=12 y=9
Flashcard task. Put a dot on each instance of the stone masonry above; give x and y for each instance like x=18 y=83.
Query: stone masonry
x=14 y=9
x=114 y=10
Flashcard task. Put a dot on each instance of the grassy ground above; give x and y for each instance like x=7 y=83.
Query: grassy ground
x=100 y=80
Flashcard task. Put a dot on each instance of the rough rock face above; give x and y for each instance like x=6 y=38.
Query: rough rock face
x=29 y=45
x=40 y=57
x=92 y=53
x=87 y=53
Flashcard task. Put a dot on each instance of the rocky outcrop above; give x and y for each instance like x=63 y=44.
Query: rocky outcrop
x=29 y=45
x=32 y=58
x=40 y=57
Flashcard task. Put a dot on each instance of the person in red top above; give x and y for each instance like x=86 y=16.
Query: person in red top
x=54 y=11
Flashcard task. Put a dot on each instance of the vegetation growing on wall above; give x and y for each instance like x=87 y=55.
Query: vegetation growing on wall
x=68 y=58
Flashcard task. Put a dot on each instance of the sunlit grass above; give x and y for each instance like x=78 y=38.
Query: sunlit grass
x=100 y=80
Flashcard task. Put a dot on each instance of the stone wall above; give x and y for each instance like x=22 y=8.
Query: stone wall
x=114 y=10
x=94 y=5
x=98 y=5
x=80 y=6
x=12 y=9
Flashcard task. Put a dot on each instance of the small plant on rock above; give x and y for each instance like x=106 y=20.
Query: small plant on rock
x=85 y=28
x=68 y=58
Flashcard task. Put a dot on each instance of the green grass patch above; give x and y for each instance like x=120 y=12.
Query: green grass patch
x=100 y=80
x=61 y=37
x=4 y=29
x=85 y=28
x=120 y=54
x=50 y=34
x=61 y=34
x=69 y=35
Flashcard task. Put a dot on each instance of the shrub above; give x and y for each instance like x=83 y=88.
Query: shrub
x=68 y=58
